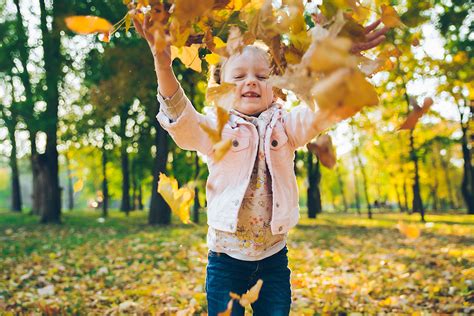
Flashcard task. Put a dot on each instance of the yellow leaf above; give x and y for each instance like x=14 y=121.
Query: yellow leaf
x=216 y=134
x=222 y=95
x=344 y=93
x=189 y=55
x=88 y=24
x=409 y=231
x=188 y=10
x=221 y=148
x=252 y=294
x=330 y=54
x=128 y=22
x=212 y=58
x=179 y=200
x=390 y=17
x=78 y=185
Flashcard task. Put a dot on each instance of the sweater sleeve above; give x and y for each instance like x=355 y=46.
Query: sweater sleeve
x=173 y=106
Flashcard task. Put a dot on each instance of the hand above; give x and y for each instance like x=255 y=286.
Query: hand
x=145 y=30
x=372 y=38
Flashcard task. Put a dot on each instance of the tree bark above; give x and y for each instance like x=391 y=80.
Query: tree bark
x=356 y=187
x=364 y=181
x=341 y=187
x=125 y=203
x=417 y=202
x=105 y=186
x=196 y=205
x=70 y=191
x=467 y=186
x=160 y=212
x=16 y=203
x=51 y=212
x=313 y=199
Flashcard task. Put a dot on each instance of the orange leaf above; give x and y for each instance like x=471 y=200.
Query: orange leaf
x=390 y=17
x=324 y=150
x=179 y=200
x=415 y=115
x=88 y=24
x=252 y=294
x=409 y=231
x=228 y=311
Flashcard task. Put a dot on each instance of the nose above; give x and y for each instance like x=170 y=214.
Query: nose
x=251 y=81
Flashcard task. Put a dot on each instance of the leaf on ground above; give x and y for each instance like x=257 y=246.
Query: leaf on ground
x=416 y=113
x=179 y=200
x=409 y=231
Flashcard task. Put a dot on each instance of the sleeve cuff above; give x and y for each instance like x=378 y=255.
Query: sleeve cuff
x=172 y=106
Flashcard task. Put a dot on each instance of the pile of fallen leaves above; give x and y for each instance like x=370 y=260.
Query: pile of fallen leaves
x=339 y=264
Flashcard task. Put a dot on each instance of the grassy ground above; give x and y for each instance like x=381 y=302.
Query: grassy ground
x=340 y=263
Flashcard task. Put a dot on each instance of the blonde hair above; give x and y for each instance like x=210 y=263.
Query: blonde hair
x=217 y=71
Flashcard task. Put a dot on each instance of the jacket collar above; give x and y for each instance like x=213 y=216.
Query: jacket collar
x=238 y=118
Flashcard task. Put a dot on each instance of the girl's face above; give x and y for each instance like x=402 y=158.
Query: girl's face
x=250 y=71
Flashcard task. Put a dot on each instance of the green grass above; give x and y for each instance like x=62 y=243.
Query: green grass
x=340 y=263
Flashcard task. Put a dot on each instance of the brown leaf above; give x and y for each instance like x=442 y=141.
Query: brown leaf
x=252 y=294
x=324 y=150
x=415 y=115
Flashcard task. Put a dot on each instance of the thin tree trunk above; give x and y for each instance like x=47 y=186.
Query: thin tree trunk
x=435 y=184
x=16 y=203
x=134 y=186
x=105 y=186
x=467 y=186
x=449 y=185
x=313 y=199
x=160 y=212
x=341 y=188
x=417 y=202
x=356 y=187
x=364 y=181
x=52 y=65
x=125 y=204
x=140 y=197
x=70 y=191
x=196 y=205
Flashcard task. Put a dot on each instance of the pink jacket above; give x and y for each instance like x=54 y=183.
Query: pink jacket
x=228 y=179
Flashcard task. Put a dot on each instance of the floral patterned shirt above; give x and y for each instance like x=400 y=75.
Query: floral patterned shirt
x=253 y=239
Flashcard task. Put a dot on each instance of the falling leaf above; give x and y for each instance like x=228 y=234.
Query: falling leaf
x=417 y=112
x=189 y=10
x=88 y=24
x=228 y=311
x=78 y=185
x=252 y=294
x=221 y=148
x=344 y=93
x=410 y=231
x=324 y=150
x=390 y=17
x=179 y=200
x=222 y=95
x=189 y=55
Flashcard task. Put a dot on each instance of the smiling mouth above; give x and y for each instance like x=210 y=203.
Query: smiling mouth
x=251 y=95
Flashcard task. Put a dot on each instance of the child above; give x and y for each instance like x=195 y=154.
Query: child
x=252 y=193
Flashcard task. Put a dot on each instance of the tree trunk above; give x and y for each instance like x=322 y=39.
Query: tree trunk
x=125 y=203
x=70 y=191
x=16 y=203
x=140 y=197
x=341 y=187
x=134 y=186
x=417 y=202
x=105 y=186
x=364 y=181
x=196 y=205
x=52 y=65
x=313 y=191
x=160 y=212
x=356 y=187
x=467 y=186
x=435 y=184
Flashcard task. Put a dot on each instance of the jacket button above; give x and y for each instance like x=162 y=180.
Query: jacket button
x=235 y=143
x=280 y=228
x=274 y=143
x=231 y=226
x=277 y=205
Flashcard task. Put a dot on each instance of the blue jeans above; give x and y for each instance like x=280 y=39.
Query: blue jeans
x=226 y=274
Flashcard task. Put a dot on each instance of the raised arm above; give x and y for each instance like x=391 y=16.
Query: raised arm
x=177 y=115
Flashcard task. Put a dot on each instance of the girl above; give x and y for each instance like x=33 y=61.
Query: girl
x=251 y=192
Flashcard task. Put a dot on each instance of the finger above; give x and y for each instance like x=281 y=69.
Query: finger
x=376 y=34
x=368 y=45
x=372 y=26
x=138 y=27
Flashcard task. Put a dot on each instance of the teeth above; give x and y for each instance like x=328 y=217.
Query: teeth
x=251 y=94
